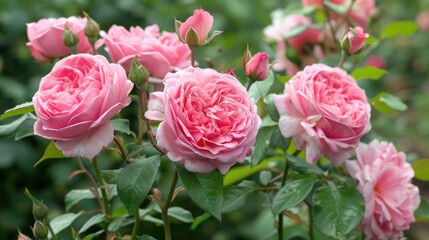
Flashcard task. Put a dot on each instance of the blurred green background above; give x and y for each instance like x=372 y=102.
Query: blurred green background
x=242 y=22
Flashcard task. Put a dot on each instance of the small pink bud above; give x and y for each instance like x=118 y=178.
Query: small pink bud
x=22 y=236
x=195 y=30
x=354 y=40
x=258 y=66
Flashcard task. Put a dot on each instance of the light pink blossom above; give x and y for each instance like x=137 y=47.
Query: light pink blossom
x=423 y=20
x=354 y=40
x=45 y=38
x=200 y=22
x=208 y=119
x=385 y=183
x=159 y=53
x=257 y=68
x=376 y=61
x=325 y=111
x=76 y=100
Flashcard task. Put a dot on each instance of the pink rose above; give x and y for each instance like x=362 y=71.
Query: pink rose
x=201 y=23
x=257 y=68
x=208 y=119
x=76 y=100
x=158 y=53
x=45 y=38
x=325 y=111
x=361 y=12
x=319 y=3
x=283 y=25
x=423 y=20
x=376 y=61
x=385 y=183
x=354 y=40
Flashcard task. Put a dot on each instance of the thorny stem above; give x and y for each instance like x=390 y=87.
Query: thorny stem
x=102 y=187
x=148 y=127
x=121 y=148
x=54 y=237
x=280 y=226
x=343 y=59
x=91 y=179
x=142 y=107
x=164 y=209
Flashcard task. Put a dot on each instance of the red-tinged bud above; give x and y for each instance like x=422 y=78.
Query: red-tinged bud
x=258 y=67
x=354 y=40
x=21 y=236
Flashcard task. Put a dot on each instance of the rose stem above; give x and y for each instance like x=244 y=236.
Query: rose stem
x=102 y=187
x=164 y=210
x=91 y=179
x=136 y=224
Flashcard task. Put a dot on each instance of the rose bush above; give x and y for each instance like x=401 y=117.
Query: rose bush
x=208 y=119
x=76 y=100
x=159 y=53
x=45 y=38
x=325 y=111
x=385 y=183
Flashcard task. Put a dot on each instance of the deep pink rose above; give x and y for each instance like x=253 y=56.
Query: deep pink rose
x=201 y=22
x=45 y=38
x=283 y=25
x=257 y=68
x=159 y=53
x=76 y=100
x=385 y=183
x=354 y=40
x=325 y=111
x=208 y=119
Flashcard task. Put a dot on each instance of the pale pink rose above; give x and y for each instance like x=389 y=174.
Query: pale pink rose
x=361 y=12
x=354 y=40
x=201 y=22
x=423 y=20
x=76 y=100
x=283 y=25
x=159 y=53
x=376 y=61
x=282 y=63
x=385 y=183
x=325 y=111
x=257 y=68
x=319 y=3
x=45 y=38
x=208 y=119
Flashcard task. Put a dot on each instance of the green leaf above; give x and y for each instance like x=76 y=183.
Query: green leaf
x=23 y=133
x=283 y=78
x=296 y=31
x=293 y=193
x=399 y=28
x=302 y=166
x=93 y=235
x=147 y=237
x=421 y=169
x=388 y=103
x=337 y=8
x=18 y=110
x=422 y=212
x=75 y=196
x=271 y=107
x=199 y=220
x=331 y=60
x=368 y=72
x=96 y=219
x=118 y=223
x=279 y=141
x=51 y=152
x=235 y=196
x=338 y=209
x=180 y=214
x=136 y=179
x=261 y=89
x=265 y=177
x=63 y=221
x=111 y=176
x=262 y=142
x=206 y=190
x=9 y=128
x=121 y=125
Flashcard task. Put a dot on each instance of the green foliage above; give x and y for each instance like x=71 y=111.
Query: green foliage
x=51 y=152
x=63 y=221
x=421 y=169
x=135 y=181
x=262 y=142
x=302 y=166
x=399 y=28
x=18 y=110
x=75 y=196
x=235 y=196
x=206 y=190
x=9 y=128
x=386 y=102
x=121 y=125
x=94 y=220
x=338 y=209
x=368 y=72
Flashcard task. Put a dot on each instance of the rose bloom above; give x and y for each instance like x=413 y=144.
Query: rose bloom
x=208 y=119
x=423 y=20
x=361 y=12
x=385 y=183
x=201 y=22
x=376 y=61
x=45 y=38
x=325 y=111
x=76 y=100
x=355 y=40
x=159 y=53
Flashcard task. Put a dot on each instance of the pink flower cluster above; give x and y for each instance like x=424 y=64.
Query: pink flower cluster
x=325 y=111
x=208 y=119
x=385 y=183
x=159 y=53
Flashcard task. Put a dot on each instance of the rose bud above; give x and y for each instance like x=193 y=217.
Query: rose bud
x=70 y=37
x=22 y=236
x=354 y=40
x=195 y=30
x=40 y=231
x=138 y=74
x=92 y=29
x=257 y=68
x=40 y=210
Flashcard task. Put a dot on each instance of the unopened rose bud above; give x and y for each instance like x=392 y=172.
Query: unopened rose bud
x=354 y=40
x=195 y=30
x=40 y=210
x=156 y=193
x=92 y=29
x=258 y=67
x=139 y=75
x=70 y=37
x=40 y=231
x=22 y=236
